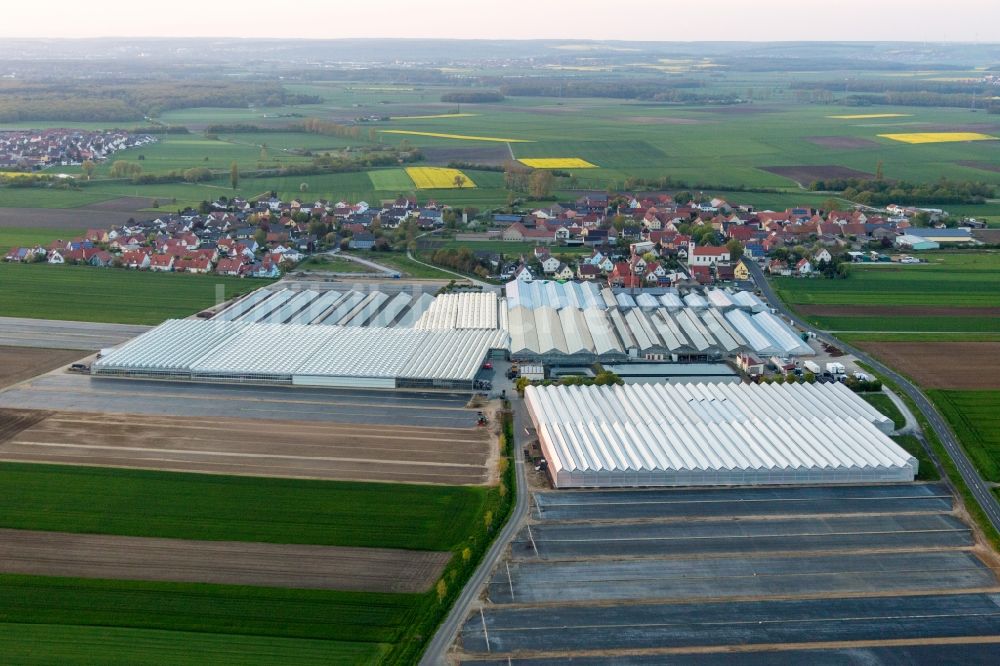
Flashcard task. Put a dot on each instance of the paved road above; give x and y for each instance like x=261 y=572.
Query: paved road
x=437 y=649
x=979 y=488
x=57 y=334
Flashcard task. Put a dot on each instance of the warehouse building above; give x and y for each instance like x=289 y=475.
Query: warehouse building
x=712 y=435
x=303 y=355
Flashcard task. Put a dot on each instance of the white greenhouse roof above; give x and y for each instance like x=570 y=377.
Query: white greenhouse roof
x=199 y=348
x=713 y=434
x=462 y=310
x=558 y=295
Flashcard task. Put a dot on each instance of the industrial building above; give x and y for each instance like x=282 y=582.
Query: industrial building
x=303 y=355
x=712 y=435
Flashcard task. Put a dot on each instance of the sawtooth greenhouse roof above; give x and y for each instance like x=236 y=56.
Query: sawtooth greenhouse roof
x=304 y=355
x=713 y=434
x=618 y=325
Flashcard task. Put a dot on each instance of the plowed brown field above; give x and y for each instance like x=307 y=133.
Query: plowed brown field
x=942 y=365
x=293 y=449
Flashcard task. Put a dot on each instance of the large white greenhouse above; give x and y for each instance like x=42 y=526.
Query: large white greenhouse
x=303 y=355
x=712 y=435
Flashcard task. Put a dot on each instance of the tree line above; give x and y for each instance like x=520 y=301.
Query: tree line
x=880 y=192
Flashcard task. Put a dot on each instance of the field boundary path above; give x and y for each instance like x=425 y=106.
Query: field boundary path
x=437 y=649
x=979 y=488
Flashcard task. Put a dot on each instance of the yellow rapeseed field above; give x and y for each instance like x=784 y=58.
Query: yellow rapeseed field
x=436 y=115
x=863 y=116
x=458 y=136
x=557 y=163
x=938 y=137
x=436 y=178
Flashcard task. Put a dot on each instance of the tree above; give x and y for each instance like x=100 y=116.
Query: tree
x=878 y=171
x=372 y=135
x=234 y=174
x=540 y=186
x=735 y=249
x=303 y=187
x=263 y=152
x=830 y=204
x=88 y=167
x=459 y=181
x=260 y=236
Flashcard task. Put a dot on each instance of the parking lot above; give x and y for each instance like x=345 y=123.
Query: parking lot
x=641 y=574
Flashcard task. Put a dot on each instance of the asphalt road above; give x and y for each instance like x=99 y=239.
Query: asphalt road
x=979 y=488
x=436 y=650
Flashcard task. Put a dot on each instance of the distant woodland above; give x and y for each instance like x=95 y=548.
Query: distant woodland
x=96 y=101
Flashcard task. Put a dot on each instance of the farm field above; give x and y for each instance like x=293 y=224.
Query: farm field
x=938 y=137
x=20 y=363
x=953 y=292
x=30 y=236
x=391 y=179
x=942 y=365
x=738 y=146
x=256 y=447
x=83 y=293
x=99 y=500
x=438 y=178
x=975 y=418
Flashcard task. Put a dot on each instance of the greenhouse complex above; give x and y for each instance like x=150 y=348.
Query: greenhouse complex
x=303 y=355
x=718 y=434
x=312 y=336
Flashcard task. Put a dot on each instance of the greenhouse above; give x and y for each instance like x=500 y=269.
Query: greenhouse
x=713 y=434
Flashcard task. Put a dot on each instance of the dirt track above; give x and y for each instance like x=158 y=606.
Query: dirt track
x=20 y=363
x=942 y=365
x=222 y=562
x=897 y=310
x=292 y=449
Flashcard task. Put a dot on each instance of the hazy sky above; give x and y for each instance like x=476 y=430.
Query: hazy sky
x=658 y=20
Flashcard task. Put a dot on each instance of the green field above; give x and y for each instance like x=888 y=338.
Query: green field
x=608 y=154
x=69 y=620
x=84 y=293
x=949 y=279
x=235 y=508
x=391 y=179
x=29 y=236
x=715 y=146
x=975 y=418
